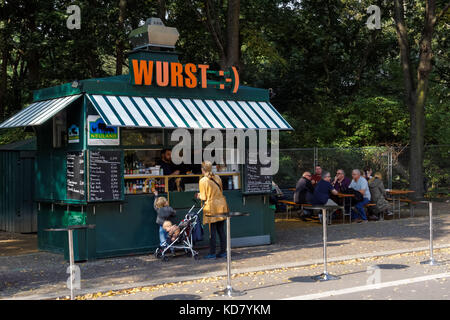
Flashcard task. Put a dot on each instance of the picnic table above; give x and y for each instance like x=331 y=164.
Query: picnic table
x=397 y=199
x=346 y=196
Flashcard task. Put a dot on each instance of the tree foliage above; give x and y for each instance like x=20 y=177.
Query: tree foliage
x=335 y=81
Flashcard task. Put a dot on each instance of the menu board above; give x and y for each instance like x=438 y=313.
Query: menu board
x=255 y=182
x=105 y=175
x=75 y=175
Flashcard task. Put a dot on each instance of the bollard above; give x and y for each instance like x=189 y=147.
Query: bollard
x=431 y=261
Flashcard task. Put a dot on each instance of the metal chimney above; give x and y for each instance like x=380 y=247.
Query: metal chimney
x=154 y=35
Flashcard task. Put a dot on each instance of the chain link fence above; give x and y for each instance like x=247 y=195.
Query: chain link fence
x=392 y=162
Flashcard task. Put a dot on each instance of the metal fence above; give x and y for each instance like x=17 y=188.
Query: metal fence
x=392 y=162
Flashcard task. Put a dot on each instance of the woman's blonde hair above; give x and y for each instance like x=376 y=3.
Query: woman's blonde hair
x=207 y=167
x=161 y=202
x=377 y=175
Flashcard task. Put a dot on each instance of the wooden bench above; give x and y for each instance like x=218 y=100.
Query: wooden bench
x=291 y=204
x=412 y=204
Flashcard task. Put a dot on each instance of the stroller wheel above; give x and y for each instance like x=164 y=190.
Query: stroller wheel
x=158 y=253
x=165 y=258
x=196 y=257
x=188 y=253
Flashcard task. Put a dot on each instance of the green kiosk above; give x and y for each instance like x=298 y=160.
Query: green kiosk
x=99 y=143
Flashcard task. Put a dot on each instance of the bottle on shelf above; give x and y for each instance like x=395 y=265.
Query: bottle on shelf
x=230 y=183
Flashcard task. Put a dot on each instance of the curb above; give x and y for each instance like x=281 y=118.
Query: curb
x=223 y=273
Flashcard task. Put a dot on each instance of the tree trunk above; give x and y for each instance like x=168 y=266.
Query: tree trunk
x=32 y=55
x=415 y=97
x=232 y=53
x=120 y=46
x=162 y=10
x=418 y=126
x=3 y=80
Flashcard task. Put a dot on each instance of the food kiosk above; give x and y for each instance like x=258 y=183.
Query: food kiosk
x=99 y=142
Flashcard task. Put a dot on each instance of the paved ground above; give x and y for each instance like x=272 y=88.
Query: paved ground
x=13 y=244
x=393 y=277
x=41 y=275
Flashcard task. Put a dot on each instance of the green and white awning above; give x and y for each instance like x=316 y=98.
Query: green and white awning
x=126 y=111
x=38 y=112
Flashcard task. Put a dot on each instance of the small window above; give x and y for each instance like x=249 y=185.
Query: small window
x=141 y=137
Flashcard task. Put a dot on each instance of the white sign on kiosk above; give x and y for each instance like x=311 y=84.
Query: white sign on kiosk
x=100 y=134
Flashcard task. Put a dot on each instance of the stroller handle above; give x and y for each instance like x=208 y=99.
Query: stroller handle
x=192 y=208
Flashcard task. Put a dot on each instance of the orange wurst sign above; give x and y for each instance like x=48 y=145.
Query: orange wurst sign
x=163 y=74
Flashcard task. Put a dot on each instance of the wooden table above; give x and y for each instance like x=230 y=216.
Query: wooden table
x=349 y=213
x=396 y=195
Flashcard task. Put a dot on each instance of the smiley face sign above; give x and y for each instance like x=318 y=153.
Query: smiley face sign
x=174 y=74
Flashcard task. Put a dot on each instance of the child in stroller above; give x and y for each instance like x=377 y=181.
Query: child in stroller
x=180 y=236
x=172 y=230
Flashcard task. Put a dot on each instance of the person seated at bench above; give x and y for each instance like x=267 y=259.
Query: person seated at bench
x=322 y=191
x=340 y=184
x=275 y=196
x=378 y=194
x=304 y=191
x=359 y=183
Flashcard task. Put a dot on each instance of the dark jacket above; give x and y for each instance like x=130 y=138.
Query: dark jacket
x=358 y=195
x=164 y=213
x=343 y=185
x=303 y=191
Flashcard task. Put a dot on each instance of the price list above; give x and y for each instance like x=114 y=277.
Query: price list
x=255 y=182
x=105 y=175
x=75 y=175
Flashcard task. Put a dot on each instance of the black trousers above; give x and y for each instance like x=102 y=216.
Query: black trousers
x=218 y=227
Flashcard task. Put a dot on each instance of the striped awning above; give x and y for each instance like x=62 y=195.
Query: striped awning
x=125 y=111
x=38 y=112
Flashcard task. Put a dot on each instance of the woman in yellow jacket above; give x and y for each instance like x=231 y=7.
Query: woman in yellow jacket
x=210 y=187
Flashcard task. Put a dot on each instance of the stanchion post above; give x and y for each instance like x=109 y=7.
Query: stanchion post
x=229 y=291
x=431 y=261
x=70 y=232
x=324 y=231
x=229 y=288
x=325 y=276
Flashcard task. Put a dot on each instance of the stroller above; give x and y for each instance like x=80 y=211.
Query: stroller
x=184 y=239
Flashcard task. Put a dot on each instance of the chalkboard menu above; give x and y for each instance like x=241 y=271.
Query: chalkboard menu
x=105 y=175
x=255 y=182
x=75 y=175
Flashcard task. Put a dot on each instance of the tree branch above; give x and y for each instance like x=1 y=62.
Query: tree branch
x=441 y=14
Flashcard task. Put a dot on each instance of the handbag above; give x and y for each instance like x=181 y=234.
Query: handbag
x=197 y=233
